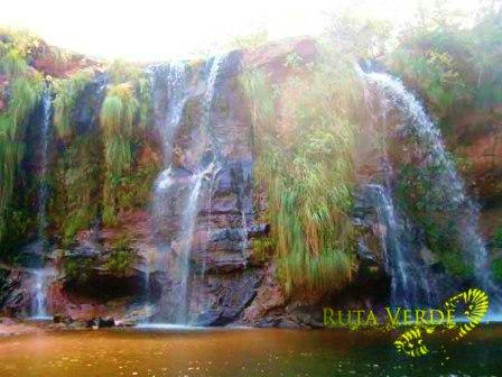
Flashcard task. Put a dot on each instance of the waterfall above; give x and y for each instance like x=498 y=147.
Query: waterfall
x=169 y=87
x=446 y=189
x=192 y=204
x=175 y=79
x=172 y=184
x=40 y=282
x=186 y=235
x=170 y=82
x=39 y=296
x=43 y=188
x=411 y=286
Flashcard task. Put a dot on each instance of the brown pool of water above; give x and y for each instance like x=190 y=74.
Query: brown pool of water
x=234 y=353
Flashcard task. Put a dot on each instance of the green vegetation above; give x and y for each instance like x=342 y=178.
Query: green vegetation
x=77 y=186
x=120 y=71
x=97 y=174
x=496 y=268
x=304 y=129
x=76 y=180
x=143 y=94
x=362 y=37
x=120 y=261
x=304 y=164
x=12 y=63
x=117 y=116
x=22 y=95
x=66 y=92
x=263 y=249
x=437 y=74
x=427 y=208
x=78 y=270
x=250 y=41
x=121 y=257
x=126 y=111
x=454 y=69
x=102 y=172
x=497 y=238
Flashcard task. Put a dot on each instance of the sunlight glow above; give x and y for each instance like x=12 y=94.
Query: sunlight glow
x=155 y=30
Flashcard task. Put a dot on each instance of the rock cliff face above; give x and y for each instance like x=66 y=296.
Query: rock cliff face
x=213 y=144
x=225 y=276
x=477 y=140
x=227 y=281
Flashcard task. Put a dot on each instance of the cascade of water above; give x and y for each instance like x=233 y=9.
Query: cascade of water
x=192 y=205
x=410 y=285
x=186 y=235
x=169 y=87
x=167 y=187
x=176 y=91
x=446 y=188
x=39 y=298
x=175 y=78
x=40 y=283
x=43 y=188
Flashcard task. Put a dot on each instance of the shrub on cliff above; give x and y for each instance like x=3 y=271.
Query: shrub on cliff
x=453 y=68
x=124 y=114
x=303 y=136
x=121 y=257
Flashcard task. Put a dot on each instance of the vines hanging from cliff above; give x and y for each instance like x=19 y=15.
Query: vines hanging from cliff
x=105 y=171
x=21 y=95
x=117 y=116
x=66 y=92
x=126 y=111
x=303 y=138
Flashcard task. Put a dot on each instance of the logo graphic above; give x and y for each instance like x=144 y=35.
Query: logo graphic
x=459 y=315
x=473 y=304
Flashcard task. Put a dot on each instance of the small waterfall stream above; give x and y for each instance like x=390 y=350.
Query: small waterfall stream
x=446 y=191
x=43 y=188
x=192 y=204
x=41 y=277
x=204 y=166
x=169 y=97
x=188 y=222
x=39 y=300
x=41 y=280
x=411 y=285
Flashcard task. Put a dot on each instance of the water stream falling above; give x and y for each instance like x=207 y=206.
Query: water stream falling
x=170 y=87
x=40 y=282
x=186 y=235
x=170 y=93
x=174 y=79
x=411 y=286
x=43 y=188
x=39 y=299
x=192 y=205
x=446 y=190
x=203 y=169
